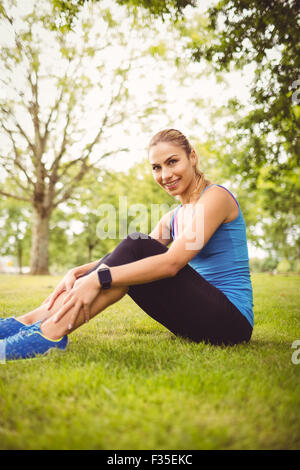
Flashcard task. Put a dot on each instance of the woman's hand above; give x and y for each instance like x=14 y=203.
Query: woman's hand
x=81 y=296
x=65 y=284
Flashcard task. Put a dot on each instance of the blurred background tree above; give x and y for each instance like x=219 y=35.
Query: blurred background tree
x=15 y=231
x=53 y=82
x=65 y=13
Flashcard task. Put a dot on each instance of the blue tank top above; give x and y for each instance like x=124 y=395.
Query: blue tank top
x=224 y=261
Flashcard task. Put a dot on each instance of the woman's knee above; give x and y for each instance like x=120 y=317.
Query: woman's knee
x=132 y=244
x=135 y=246
x=143 y=245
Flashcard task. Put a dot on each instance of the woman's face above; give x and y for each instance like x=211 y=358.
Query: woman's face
x=171 y=167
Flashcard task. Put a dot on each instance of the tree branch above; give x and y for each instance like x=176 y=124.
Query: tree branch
x=19 y=127
x=15 y=196
x=114 y=98
x=68 y=165
x=55 y=165
x=84 y=168
x=20 y=94
x=54 y=108
x=13 y=176
x=34 y=111
x=76 y=180
x=16 y=161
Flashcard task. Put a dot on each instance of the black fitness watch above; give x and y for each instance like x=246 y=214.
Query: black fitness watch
x=104 y=278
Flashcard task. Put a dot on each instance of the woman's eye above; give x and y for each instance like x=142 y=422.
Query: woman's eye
x=155 y=168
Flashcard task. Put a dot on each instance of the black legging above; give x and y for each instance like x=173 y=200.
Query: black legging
x=186 y=304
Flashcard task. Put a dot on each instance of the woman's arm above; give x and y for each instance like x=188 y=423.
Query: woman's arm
x=80 y=270
x=68 y=281
x=162 y=231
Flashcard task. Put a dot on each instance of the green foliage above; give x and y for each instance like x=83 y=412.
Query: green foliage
x=158 y=49
x=15 y=231
x=258 y=265
x=284 y=266
x=60 y=249
x=297 y=266
x=272 y=265
x=266 y=32
x=66 y=11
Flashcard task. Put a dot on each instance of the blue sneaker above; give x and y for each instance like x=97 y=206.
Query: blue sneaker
x=10 y=327
x=29 y=343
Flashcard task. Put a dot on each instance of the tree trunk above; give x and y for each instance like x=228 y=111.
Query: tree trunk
x=90 y=248
x=39 y=259
x=20 y=255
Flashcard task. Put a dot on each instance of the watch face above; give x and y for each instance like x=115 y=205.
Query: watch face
x=104 y=277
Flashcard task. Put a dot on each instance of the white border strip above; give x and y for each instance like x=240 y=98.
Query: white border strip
x=2 y=352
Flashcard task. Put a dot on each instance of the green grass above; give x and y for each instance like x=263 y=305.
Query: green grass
x=126 y=383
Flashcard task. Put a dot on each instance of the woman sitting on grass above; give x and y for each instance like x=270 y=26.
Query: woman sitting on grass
x=199 y=288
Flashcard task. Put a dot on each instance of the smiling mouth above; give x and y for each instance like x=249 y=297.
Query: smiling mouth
x=172 y=184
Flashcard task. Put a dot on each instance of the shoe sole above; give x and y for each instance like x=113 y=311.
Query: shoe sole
x=38 y=356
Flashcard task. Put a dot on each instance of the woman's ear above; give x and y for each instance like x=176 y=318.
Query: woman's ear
x=194 y=158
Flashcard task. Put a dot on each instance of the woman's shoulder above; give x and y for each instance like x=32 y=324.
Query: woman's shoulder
x=215 y=188
x=220 y=195
x=211 y=186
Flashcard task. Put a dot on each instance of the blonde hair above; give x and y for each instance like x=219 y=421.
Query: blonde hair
x=177 y=138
